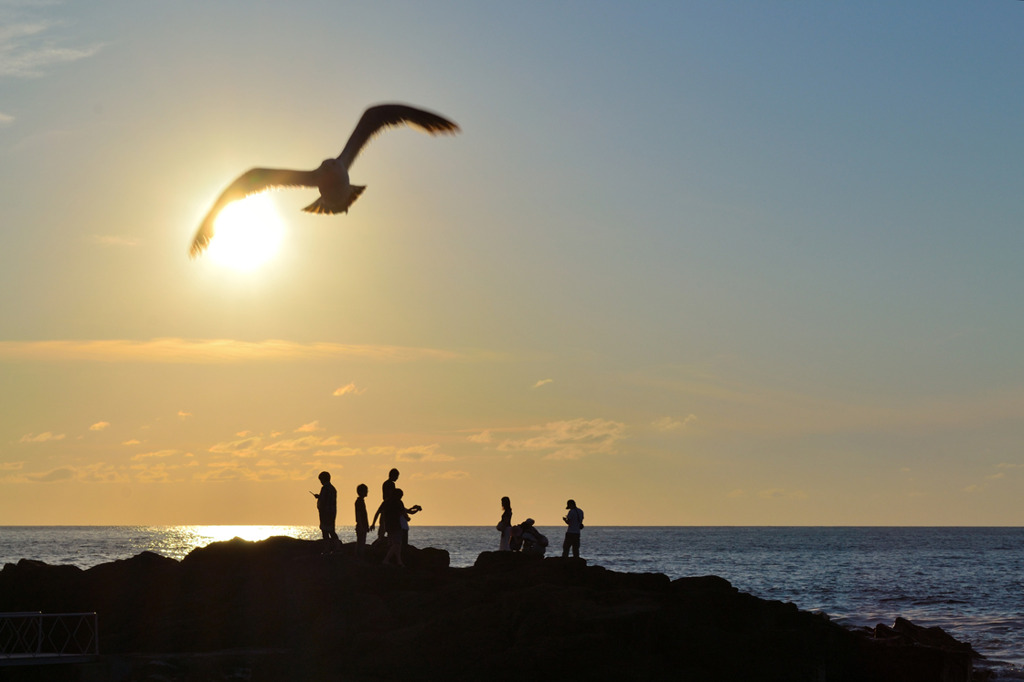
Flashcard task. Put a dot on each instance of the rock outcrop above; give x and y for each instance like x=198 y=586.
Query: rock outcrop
x=279 y=610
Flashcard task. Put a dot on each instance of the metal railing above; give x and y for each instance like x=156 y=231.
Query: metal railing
x=33 y=637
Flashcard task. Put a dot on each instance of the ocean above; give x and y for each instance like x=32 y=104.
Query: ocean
x=969 y=581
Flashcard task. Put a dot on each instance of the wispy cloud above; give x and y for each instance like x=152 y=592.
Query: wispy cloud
x=5 y=119
x=28 y=49
x=442 y=476
x=543 y=382
x=672 y=423
x=302 y=444
x=349 y=389
x=766 y=409
x=236 y=471
x=226 y=471
x=570 y=439
x=41 y=438
x=343 y=451
x=263 y=457
x=246 y=447
x=781 y=494
x=213 y=351
x=415 y=453
x=131 y=442
x=101 y=472
x=161 y=466
x=61 y=474
x=482 y=437
x=159 y=454
x=157 y=472
x=982 y=487
x=99 y=426
x=422 y=453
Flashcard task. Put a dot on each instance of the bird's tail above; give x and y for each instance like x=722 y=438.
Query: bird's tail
x=321 y=206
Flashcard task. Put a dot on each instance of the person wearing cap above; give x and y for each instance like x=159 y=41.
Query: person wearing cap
x=574 y=519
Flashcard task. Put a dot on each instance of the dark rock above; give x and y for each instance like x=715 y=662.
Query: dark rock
x=504 y=561
x=919 y=653
x=279 y=609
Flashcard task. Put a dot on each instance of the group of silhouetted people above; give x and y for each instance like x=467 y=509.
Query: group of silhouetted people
x=392 y=512
x=394 y=522
x=525 y=537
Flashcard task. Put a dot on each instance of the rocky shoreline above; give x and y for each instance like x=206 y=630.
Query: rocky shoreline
x=279 y=610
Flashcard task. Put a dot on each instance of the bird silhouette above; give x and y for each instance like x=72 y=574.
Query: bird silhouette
x=331 y=177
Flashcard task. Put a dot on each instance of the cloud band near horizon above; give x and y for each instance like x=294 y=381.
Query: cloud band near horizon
x=214 y=351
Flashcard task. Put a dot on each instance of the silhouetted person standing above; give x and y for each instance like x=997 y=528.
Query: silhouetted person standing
x=505 y=525
x=387 y=490
x=327 y=506
x=574 y=519
x=404 y=520
x=362 y=521
x=392 y=517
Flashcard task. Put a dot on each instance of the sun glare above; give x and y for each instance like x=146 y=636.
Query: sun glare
x=247 y=233
x=202 y=535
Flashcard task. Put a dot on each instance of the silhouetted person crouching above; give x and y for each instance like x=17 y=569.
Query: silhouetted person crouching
x=534 y=542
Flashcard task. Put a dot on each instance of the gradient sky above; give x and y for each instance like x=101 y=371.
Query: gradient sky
x=687 y=262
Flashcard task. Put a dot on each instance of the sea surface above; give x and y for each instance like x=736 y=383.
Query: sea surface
x=969 y=581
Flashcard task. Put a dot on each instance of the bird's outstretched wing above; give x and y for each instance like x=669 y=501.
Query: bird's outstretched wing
x=377 y=118
x=250 y=182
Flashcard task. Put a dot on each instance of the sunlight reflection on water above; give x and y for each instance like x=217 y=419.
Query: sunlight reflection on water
x=177 y=541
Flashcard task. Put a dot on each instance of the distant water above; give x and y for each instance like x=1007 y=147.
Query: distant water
x=969 y=581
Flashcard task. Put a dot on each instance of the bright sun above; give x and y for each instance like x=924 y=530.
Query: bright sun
x=247 y=233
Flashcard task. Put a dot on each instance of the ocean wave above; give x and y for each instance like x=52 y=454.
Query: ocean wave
x=937 y=602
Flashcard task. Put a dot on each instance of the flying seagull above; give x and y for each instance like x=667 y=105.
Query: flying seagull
x=331 y=178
